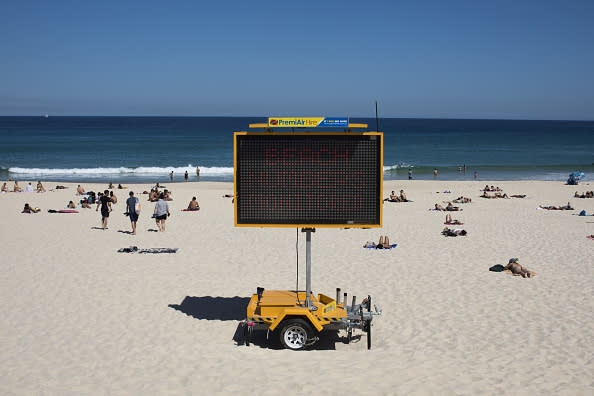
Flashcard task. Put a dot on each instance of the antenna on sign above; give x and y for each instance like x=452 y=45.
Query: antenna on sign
x=376 y=119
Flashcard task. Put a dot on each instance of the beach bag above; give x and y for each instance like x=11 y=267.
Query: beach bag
x=137 y=207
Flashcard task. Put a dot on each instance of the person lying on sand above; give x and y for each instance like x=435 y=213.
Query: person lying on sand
x=384 y=243
x=462 y=200
x=518 y=195
x=552 y=207
x=120 y=187
x=438 y=207
x=517 y=270
x=587 y=194
x=228 y=196
x=452 y=208
x=454 y=232
x=450 y=221
x=193 y=205
x=85 y=204
x=499 y=195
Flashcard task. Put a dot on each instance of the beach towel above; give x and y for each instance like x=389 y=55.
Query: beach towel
x=454 y=223
x=191 y=210
x=135 y=249
x=391 y=247
x=62 y=211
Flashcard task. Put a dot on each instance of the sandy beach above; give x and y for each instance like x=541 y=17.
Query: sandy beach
x=80 y=318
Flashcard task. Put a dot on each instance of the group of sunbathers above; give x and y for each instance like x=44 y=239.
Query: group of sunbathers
x=494 y=196
x=492 y=188
x=397 y=198
x=587 y=194
x=154 y=194
x=28 y=188
x=448 y=208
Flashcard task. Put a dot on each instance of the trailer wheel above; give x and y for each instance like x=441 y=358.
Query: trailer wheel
x=295 y=333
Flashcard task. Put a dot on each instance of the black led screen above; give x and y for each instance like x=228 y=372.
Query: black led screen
x=308 y=179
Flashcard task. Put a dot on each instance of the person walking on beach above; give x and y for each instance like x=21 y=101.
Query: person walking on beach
x=171 y=176
x=131 y=204
x=186 y=176
x=105 y=203
x=161 y=212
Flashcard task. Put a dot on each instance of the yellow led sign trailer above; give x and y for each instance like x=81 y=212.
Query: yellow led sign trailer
x=308 y=179
x=307 y=122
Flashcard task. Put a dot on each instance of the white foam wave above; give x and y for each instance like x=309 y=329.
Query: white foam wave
x=141 y=170
x=401 y=165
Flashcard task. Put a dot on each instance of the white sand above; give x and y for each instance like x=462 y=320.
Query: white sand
x=79 y=318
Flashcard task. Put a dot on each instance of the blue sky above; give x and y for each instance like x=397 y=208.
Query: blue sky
x=451 y=59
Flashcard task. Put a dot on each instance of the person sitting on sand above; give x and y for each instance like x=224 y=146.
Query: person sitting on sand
x=113 y=198
x=29 y=209
x=80 y=190
x=40 y=187
x=193 y=205
x=16 y=187
x=29 y=188
x=453 y=232
x=486 y=188
x=110 y=187
x=403 y=196
x=450 y=221
x=499 y=195
x=4 y=188
x=85 y=204
x=120 y=187
x=153 y=196
x=517 y=270
x=393 y=197
x=71 y=205
x=167 y=195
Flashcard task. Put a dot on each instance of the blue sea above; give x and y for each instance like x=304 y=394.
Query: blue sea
x=147 y=149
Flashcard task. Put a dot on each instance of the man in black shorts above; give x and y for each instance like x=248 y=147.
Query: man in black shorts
x=105 y=203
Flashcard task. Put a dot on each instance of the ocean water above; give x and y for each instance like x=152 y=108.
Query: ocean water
x=146 y=149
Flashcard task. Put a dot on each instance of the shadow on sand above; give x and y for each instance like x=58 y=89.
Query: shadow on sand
x=234 y=309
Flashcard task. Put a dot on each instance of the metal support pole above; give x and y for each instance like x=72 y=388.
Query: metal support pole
x=308 y=232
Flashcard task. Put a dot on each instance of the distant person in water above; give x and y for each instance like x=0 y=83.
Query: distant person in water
x=197 y=172
x=409 y=174
x=171 y=176
x=435 y=173
x=186 y=176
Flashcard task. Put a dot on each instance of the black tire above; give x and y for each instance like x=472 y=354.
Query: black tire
x=295 y=333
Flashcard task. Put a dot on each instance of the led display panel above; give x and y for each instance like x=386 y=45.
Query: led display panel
x=308 y=179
